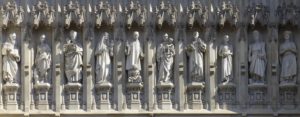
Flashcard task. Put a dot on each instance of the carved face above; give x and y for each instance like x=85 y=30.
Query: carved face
x=196 y=35
x=287 y=35
x=12 y=38
x=226 y=38
x=165 y=38
x=42 y=38
x=136 y=35
x=73 y=35
x=256 y=36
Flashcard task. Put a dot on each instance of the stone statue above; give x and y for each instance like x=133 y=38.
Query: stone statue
x=226 y=52
x=288 y=53
x=257 y=59
x=134 y=53
x=103 y=62
x=42 y=61
x=165 y=58
x=73 y=58
x=196 y=58
x=11 y=58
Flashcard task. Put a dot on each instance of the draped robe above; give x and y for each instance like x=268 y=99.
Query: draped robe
x=133 y=55
x=225 y=52
x=103 y=62
x=288 y=61
x=10 y=58
x=73 y=61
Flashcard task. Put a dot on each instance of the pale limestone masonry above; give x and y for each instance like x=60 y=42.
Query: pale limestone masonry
x=256 y=74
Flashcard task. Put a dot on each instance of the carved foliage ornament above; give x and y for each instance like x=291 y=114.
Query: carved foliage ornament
x=42 y=13
x=166 y=13
x=135 y=12
x=74 y=13
x=11 y=13
x=227 y=12
x=105 y=14
x=258 y=13
x=197 y=13
x=288 y=13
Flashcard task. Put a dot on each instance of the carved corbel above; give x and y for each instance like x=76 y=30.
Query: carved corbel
x=135 y=12
x=12 y=14
x=105 y=14
x=75 y=13
x=165 y=13
x=197 y=13
x=228 y=12
x=258 y=13
x=42 y=14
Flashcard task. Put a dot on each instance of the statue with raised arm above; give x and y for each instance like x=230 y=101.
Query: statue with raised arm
x=73 y=58
x=257 y=59
x=134 y=53
x=11 y=57
x=42 y=61
x=103 y=53
x=288 y=53
x=226 y=52
x=196 y=52
x=165 y=58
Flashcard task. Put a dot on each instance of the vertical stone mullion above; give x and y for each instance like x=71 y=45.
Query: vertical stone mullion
x=1 y=82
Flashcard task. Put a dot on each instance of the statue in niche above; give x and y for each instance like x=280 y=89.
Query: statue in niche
x=135 y=12
x=103 y=62
x=257 y=59
x=165 y=58
x=73 y=59
x=288 y=59
x=11 y=57
x=196 y=52
x=42 y=61
x=11 y=13
x=104 y=13
x=134 y=53
x=166 y=12
x=73 y=12
x=226 y=52
x=42 y=12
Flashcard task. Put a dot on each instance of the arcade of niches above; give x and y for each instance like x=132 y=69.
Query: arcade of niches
x=87 y=58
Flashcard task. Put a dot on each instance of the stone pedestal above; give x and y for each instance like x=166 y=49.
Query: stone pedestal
x=226 y=95
x=195 y=95
x=103 y=96
x=164 y=95
x=257 y=94
x=42 y=95
x=287 y=92
x=72 y=95
x=10 y=94
x=134 y=95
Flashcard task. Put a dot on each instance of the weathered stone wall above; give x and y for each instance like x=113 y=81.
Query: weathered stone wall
x=122 y=93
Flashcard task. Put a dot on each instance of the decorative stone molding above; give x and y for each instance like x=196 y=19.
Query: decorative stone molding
x=258 y=12
x=197 y=13
x=74 y=12
x=42 y=14
x=166 y=13
x=12 y=14
x=105 y=14
x=228 y=12
x=135 y=13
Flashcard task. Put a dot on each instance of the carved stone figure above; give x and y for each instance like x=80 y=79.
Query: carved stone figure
x=166 y=13
x=105 y=14
x=11 y=13
x=165 y=58
x=288 y=53
x=258 y=12
x=42 y=13
x=257 y=59
x=135 y=13
x=42 y=61
x=228 y=12
x=196 y=52
x=197 y=13
x=73 y=58
x=134 y=53
x=74 y=13
x=10 y=60
x=226 y=52
x=103 y=61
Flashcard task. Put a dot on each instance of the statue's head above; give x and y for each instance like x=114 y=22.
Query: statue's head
x=196 y=35
x=136 y=35
x=256 y=35
x=165 y=37
x=12 y=38
x=226 y=38
x=73 y=35
x=287 y=35
x=42 y=38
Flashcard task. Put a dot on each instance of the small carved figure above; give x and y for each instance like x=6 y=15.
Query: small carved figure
x=11 y=57
x=165 y=58
x=226 y=52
